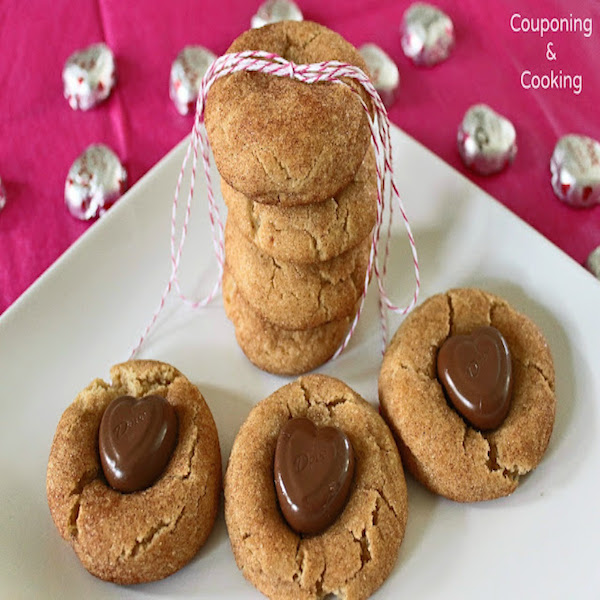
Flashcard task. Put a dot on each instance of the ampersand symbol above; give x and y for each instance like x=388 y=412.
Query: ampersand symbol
x=550 y=54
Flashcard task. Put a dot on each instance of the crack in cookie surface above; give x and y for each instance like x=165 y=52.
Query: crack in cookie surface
x=86 y=478
x=145 y=541
x=489 y=463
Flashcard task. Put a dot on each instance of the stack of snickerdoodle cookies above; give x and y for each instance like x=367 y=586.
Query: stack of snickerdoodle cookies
x=299 y=180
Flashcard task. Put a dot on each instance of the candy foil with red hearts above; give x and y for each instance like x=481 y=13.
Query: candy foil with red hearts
x=427 y=34
x=384 y=72
x=575 y=168
x=2 y=196
x=89 y=76
x=487 y=141
x=273 y=11
x=187 y=71
x=96 y=180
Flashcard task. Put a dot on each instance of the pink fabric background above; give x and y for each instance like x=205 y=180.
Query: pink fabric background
x=40 y=135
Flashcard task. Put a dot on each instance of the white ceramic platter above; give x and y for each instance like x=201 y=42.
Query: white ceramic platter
x=87 y=311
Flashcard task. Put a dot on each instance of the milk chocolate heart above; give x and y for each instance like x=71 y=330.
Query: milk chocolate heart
x=476 y=372
x=136 y=440
x=313 y=472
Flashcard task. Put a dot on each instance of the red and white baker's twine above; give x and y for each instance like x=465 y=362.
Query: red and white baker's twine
x=331 y=71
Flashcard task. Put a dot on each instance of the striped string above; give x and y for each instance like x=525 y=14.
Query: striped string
x=331 y=71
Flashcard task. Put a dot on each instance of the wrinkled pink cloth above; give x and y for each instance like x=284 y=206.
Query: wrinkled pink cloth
x=40 y=135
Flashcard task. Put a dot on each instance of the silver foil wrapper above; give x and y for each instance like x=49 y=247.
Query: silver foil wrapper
x=96 y=180
x=272 y=11
x=187 y=71
x=427 y=34
x=2 y=196
x=593 y=262
x=575 y=168
x=89 y=76
x=487 y=142
x=384 y=72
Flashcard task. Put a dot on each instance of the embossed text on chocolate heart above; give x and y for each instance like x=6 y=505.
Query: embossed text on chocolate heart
x=313 y=472
x=476 y=373
x=136 y=440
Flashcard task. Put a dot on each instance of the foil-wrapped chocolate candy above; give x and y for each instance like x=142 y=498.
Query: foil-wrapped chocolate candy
x=96 y=180
x=487 y=141
x=384 y=72
x=427 y=34
x=593 y=262
x=575 y=168
x=89 y=76
x=272 y=11
x=2 y=196
x=187 y=71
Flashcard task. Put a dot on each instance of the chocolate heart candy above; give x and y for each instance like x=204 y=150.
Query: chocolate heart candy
x=575 y=168
x=136 y=440
x=273 y=11
x=476 y=373
x=427 y=34
x=384 y=72
x=487 y=141
x=313 y=472
x=2 y=196
x=89 y=76
x=187 y=71
x=96 y=180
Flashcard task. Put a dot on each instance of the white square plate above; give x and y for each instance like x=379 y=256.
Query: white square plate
x=87 y=311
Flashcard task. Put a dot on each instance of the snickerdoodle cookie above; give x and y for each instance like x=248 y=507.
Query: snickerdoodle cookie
x=440 y=448
x=291 y=295
x=311 y=232
x=277 y=350
x=278 y=140
x=352 y=556
x=148 y=534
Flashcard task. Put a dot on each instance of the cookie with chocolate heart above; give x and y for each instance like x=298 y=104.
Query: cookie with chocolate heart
x=134 y=473
x=315 y=496
x=467 y=386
